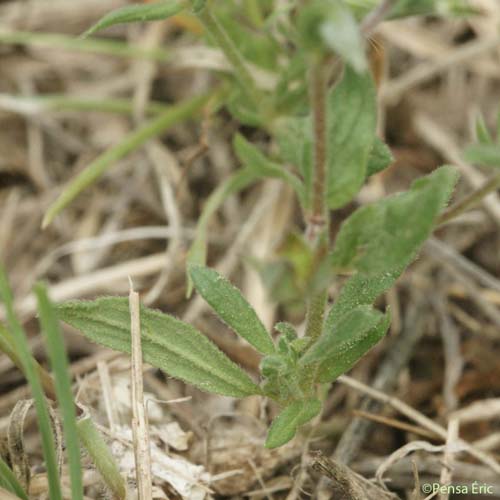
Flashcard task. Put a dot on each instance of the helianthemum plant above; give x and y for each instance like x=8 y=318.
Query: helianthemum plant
x=320 y=114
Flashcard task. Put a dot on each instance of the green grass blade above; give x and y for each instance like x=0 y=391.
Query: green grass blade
x=10 y=482
x=59 y=363
x=138 y=13
x=130 y=143
x=22 y=350
x=89 y=45
x=60 y=102
x=6 y=494
x=94 y=443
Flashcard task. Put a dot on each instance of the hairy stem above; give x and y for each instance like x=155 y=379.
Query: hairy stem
x=471 y=200
x=318 y=90
x=317 y=224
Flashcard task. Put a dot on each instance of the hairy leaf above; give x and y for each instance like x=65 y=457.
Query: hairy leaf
x=137 y=13
x=351 y=135
x=386 y=235
x=345 y=340
x=226 y=300
x=167 y=343
x=361 y=289
x=380 y=157
x=285 y=425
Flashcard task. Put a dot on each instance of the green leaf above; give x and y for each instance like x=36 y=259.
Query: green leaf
x=339 y=31
x=252 y=158
x=226 y=300
x=330 y=24
x=130 y=143
x=361 y=289
x=285 y=425
x=344 y=341
x=484 y=154
x=138 y=13
x=351 y=134
x=386 y=235
x=102 y=457
x=380 y=157
x=294 y=137
x=22 y=350
x=9 y=481
x=62 y=381
x=167 y=343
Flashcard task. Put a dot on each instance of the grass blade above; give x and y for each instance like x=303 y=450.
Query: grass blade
x=6 y=495
x=10 y=482
x=102 y=457
x=90 y=45
x=23 y=352
x=137 y=13
x=59 y=363
x=130 y=143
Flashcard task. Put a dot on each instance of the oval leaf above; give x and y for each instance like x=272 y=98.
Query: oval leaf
x=167 y=343
x=137 y=13
x=352 y=115
x=386 y=235
x=285 y=425
x=226 y=300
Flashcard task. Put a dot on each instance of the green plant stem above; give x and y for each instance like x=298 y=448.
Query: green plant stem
x=224 y=42
x=471 y=200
